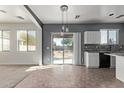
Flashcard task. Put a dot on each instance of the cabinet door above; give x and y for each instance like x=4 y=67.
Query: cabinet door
x=88 y=37
x=96 y=37
x=94 y=60
x=92 y=37
x=120 y=68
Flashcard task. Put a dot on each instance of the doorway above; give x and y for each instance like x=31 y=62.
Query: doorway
x=62 y=48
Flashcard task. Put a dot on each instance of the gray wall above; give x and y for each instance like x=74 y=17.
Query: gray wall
x=48 y=28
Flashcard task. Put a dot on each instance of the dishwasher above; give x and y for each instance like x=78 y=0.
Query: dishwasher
x=104 y=60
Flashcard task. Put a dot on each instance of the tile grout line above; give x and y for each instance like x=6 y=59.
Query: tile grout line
x=14 y=86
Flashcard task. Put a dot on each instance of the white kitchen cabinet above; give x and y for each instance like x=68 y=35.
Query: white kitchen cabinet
x=91 y=37
x=120 y=68
x=112 y=61
x=91 y=59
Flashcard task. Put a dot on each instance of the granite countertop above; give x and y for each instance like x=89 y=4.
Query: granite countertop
x=97 y=51
x=92 y=51
x=115 y=54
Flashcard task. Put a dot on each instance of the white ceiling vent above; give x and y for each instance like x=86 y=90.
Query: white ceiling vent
x=120 y=16
x=77 y=16
x=20 y=17
x=3 y=11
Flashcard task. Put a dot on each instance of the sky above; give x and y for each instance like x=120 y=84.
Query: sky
x=58 y=41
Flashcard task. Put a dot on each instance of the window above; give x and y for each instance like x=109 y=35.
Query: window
x=4 y=40
x=113 y=37
x=103 y=37
x=109 y=36
x=26 y=40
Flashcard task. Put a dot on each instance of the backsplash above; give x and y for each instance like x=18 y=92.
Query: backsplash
x=109 y=48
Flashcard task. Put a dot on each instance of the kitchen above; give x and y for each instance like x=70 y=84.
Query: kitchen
x=102 y=50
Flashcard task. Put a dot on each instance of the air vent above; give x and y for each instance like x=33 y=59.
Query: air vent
x=20 y=17
x=111 y=14
x=120 y=16
x=77 y=16
x=2 y=11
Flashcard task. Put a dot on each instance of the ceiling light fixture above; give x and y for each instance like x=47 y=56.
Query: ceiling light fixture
x=64 y=9
x=2 y=11
x=20 y=17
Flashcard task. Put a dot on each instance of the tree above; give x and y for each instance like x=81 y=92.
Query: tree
x=54 y=43
x=31 y=38
x=67 y=41
x=23 y=38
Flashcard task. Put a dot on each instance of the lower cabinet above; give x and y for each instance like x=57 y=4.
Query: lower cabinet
x=91 y=59
x=120 y=68
x=112 y=61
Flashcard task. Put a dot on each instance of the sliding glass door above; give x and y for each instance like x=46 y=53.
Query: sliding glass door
x=57 y=49
x=68 y=49
x=62 y=48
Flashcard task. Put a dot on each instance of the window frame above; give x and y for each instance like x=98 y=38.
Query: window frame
x=117 y=36
x=27 y=34
x=2 y=50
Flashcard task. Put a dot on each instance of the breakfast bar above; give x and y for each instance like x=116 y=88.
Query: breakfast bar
x=119 y=65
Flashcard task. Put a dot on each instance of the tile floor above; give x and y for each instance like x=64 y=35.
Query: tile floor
x=10 y=76
x=58 y=76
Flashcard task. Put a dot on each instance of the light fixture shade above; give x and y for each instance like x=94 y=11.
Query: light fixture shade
x=64 y=9
x=63 y=28
x=67 y=29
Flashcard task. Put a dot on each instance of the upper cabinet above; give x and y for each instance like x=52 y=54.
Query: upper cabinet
x=92 y=37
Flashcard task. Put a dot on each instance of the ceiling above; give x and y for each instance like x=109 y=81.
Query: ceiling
x=51 y=14
x=9 y=13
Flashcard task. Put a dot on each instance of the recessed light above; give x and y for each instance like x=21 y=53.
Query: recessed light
x=3 y=11
x=111 y=14
x=20 y=17
x=77 y=16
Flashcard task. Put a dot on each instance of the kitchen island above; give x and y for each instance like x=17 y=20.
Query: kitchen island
x=119 y=65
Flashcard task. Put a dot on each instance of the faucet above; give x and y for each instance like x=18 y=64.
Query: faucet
x=97 y=47
x=120 y=47
x=110 y=48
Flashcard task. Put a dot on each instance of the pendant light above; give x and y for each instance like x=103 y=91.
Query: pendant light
x=64 y=9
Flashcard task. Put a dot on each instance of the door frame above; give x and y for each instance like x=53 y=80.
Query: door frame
x=52 y=47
